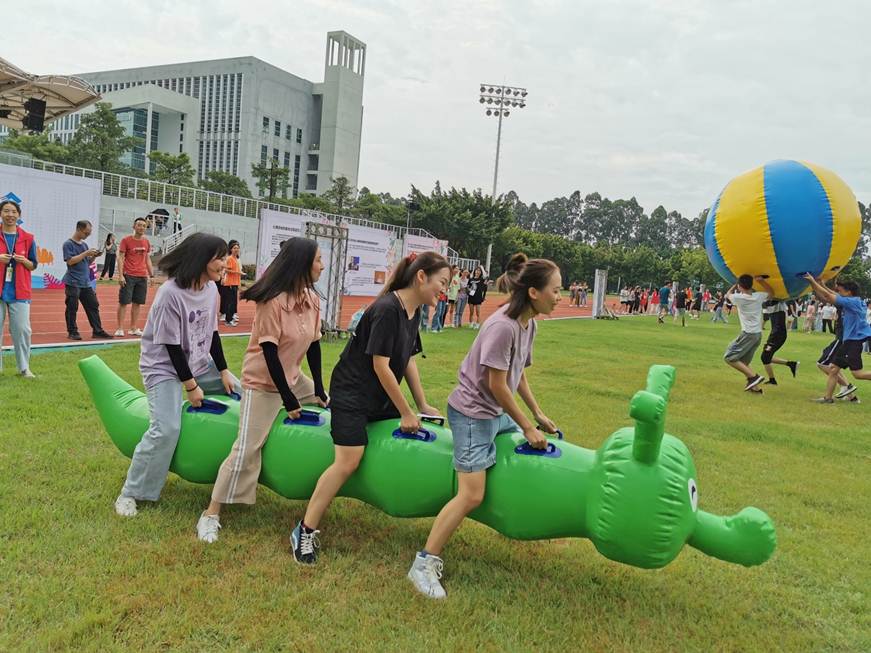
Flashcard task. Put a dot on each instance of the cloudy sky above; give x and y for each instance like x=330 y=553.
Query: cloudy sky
x=664 y=100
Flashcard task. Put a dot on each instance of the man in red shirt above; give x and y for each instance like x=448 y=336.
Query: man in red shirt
x=134 y=264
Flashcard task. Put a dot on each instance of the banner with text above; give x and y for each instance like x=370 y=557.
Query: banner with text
x=418 y=244
x=371 y=257
x=51 y=204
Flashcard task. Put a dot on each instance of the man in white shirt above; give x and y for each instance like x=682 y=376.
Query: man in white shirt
x=740 y=351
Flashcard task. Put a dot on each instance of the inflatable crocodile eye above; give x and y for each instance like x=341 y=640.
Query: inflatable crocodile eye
x=694 y=494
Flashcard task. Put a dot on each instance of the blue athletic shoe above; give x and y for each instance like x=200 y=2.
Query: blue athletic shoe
x=304 y=545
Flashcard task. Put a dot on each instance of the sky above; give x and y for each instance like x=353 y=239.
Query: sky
x=663 y=100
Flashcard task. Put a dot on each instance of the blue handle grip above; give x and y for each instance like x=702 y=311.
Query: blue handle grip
x=235 y=395
x=527 y=449
x=422 y=435
x=559 y=433
x=307 y=418
x=209 y=406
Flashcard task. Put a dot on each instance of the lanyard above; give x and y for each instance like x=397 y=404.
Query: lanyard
x=14 y=242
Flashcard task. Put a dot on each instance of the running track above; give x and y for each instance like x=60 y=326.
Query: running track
x=49 y=325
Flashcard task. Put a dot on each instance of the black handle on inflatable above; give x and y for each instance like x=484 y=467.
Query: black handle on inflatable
x=432 y=419
x=209 y=406
x=559 y=434
x=306 y=418
x=235 y=395
x=526 y=449
x=422 y=435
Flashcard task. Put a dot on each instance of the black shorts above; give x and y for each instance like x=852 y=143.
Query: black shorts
x=348 y=427
x=828 y=354
x=849 y=355
x=134 y=290
x=775 y=341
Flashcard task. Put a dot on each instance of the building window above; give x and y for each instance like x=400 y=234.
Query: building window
x=296 y=161
x=287 y=160
x=264 y=153
x=275 y=155
x=278 y=128
x=265 y=124
x=288 y=132
x=299 y=136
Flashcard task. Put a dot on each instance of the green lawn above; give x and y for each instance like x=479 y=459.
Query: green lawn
x=75 y=576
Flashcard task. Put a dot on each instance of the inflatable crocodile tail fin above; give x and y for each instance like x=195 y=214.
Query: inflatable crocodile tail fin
x=647 y=408
x=122 y=408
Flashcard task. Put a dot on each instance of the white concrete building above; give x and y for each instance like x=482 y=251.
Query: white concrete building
x=248 y=112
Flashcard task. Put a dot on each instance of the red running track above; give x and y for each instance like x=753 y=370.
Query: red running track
x=49 y=324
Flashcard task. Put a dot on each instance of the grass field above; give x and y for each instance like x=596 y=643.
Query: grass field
x=75 y=576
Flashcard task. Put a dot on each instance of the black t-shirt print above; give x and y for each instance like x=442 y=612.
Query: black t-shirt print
x=384 y=330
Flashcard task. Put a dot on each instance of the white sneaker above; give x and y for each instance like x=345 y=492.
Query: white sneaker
x=425 y=574
x=135 y=332
x=125 y=506
x=222 y=318
x=207 y=528
x=27 y=374
x=119 y=333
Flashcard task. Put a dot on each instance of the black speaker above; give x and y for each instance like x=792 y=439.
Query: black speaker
x=34 y=117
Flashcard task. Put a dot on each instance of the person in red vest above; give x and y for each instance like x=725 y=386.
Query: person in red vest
x=17 y=261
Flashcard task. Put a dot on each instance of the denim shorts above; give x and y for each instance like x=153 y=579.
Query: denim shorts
x=474 y=439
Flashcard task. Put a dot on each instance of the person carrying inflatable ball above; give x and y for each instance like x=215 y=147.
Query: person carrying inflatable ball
x=287 y=327
x=180 y=347
x=483 y=404
x=740 y=351
x=365 y=383
x=856 y=331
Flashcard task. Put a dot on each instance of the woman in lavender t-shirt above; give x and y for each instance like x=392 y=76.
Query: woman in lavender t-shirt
x=483 y=404
x=180 y=349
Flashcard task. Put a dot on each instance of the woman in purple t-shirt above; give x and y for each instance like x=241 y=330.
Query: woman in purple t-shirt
x=483 y=404
x=180 y=348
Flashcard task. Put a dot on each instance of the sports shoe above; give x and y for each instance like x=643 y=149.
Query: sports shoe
x=207 y=528
x=425 y=574
x=753 y=382
x=771 y=381
x=135 y=332
x=125 y=506
x=854 y=400
x=234 y=322
x=119 y=333
x=27 y=374
x=850 y=389
x=74 y=336
x=793 y=367
x=304 y=545
x=824 y=400
x=102 y=335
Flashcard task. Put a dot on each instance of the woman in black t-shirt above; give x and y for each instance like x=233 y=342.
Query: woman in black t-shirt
x=477 y=291
x=365 y=383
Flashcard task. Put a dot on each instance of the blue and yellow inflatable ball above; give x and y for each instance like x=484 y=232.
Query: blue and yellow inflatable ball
x=781 y=220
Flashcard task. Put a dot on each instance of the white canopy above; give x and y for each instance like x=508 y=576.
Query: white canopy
x=62 y=94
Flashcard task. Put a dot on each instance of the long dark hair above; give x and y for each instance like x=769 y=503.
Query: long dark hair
x=187 y=262
x=520 y=275
x=407 y=269
x=108 y=238
x=290 y=272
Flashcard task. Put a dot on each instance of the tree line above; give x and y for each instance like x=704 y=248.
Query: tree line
x=579 y=232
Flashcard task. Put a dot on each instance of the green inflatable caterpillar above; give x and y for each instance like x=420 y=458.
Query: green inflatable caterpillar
x=635 y=497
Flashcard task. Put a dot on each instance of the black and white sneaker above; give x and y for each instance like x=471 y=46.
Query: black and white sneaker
x=304 y=545
x=753 y=382
x=850 y=389
x=771 y=381
x=793 y=367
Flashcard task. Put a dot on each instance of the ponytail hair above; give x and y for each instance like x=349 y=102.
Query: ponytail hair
x=408 y=267
x=520 y=275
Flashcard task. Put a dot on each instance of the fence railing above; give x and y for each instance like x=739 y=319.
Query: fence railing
x=159 y=192
x=173 y=240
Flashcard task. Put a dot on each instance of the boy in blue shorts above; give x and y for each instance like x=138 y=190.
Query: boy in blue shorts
x=856 y=331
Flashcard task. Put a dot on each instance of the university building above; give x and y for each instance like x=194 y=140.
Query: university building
x=229 y=113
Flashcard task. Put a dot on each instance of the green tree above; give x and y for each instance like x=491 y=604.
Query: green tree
x=340 y=195
x=173 y=169
x=272 y=180
x=40 y=146
x=311 y=202
x=859 y=270
x=219 y=181
x=101 y=141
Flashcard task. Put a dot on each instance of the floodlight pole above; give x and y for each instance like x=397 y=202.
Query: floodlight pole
x=503 y=98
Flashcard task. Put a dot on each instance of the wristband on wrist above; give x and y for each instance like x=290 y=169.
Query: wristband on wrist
x=196 y=385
